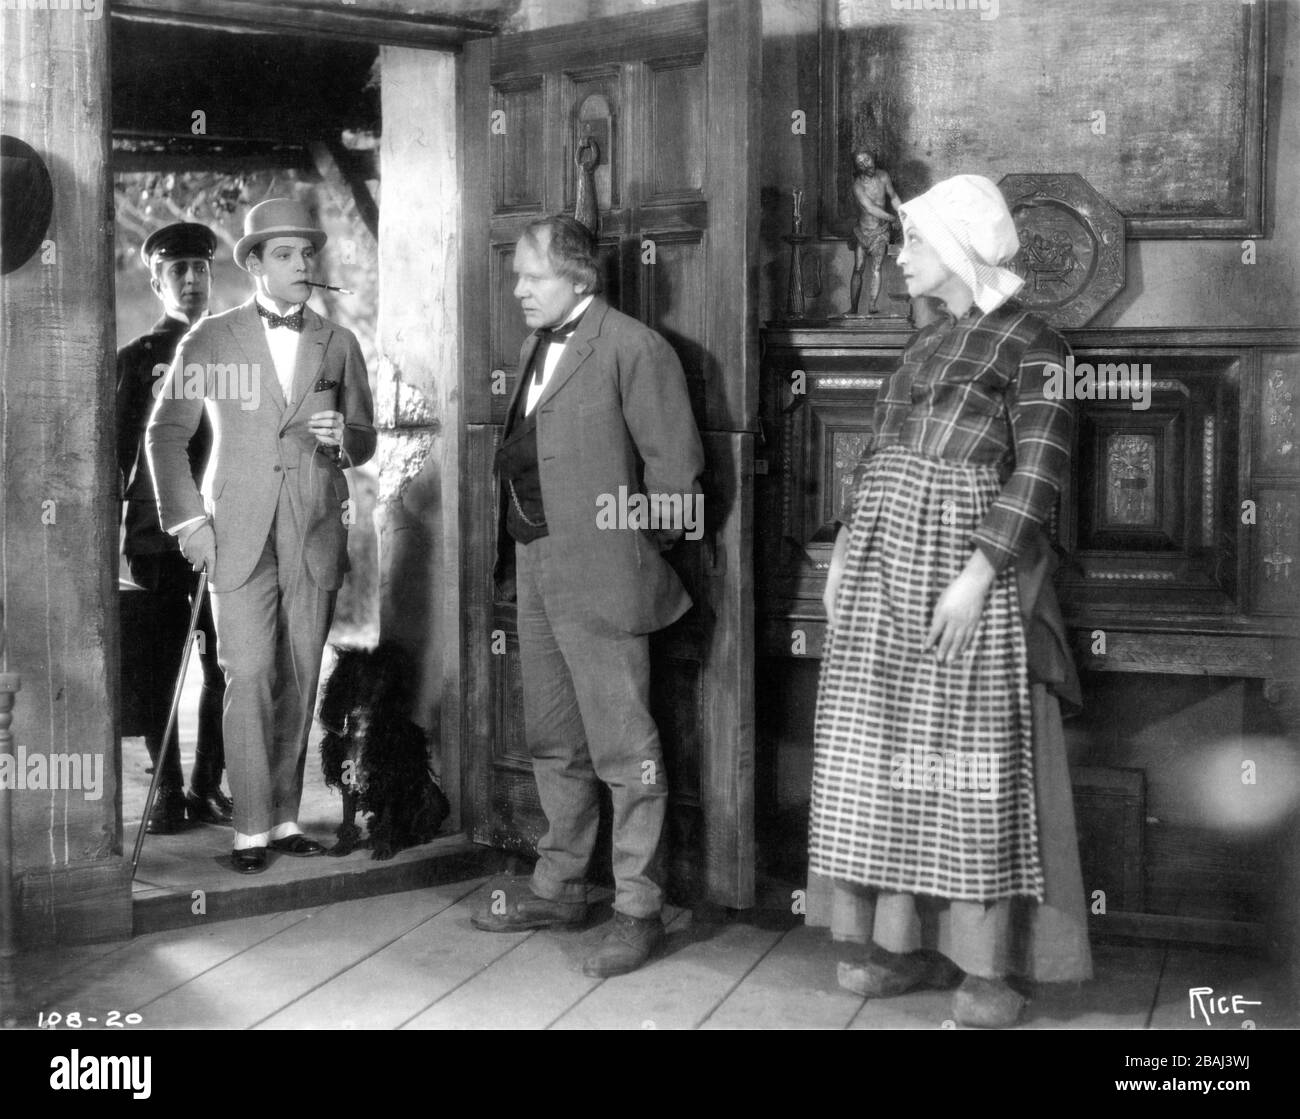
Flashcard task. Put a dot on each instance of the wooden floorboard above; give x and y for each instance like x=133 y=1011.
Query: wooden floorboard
x=919 y=1010
x=413 y=960
x=38 y=971
x=1120 y=996
x=698 y=966
x=527 y=987
x=252 y=987
x=151 y=967
x=533 y=983
x=398 y=982
x=793 y=987
x=1252 y=978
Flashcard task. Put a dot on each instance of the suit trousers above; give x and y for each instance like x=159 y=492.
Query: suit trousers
x=270 y=635
x=587 y=721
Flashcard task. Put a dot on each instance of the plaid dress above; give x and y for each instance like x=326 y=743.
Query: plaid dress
x=923 y=776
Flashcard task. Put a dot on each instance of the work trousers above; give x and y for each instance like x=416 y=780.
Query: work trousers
x=587 y=721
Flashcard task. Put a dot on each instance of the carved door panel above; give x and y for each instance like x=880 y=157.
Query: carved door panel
x=666 y=101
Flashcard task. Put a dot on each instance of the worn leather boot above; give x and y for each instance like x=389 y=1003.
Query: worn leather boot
x=626 y=946
x=528 y=911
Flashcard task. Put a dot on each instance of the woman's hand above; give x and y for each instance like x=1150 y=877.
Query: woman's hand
x=836 y=573
x=957 y=613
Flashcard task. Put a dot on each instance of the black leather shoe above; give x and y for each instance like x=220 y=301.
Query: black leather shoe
x=168 y=815
x=209 y=808
x=297 y=845
x=249 y=860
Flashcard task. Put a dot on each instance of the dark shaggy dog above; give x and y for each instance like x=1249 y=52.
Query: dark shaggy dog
x=375 y=755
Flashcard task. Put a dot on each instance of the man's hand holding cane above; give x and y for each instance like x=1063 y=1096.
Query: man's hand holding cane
x=199 y=546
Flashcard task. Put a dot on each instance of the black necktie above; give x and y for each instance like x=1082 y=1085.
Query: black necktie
x=293 y=321
x=545 y=337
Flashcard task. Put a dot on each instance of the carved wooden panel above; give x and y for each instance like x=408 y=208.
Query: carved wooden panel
x=1276 y=574
x=836 y=433
x=517 y=147
x=1110 y=810
x=1152 y=510
x=1279 y=446
x=827 y=425
x=1132 y=492
x=675 y=702
x=1186 y=654
x=508 y=330
x=513 y=820
x=676 y=159
x=611 y=271
x=509 y=746
x=673 y=302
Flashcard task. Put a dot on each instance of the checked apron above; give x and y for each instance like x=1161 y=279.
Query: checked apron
x=923 y=779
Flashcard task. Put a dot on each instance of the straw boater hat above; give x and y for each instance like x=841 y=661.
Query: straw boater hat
x=180 y=239
x=276 y=217
x=966 y=221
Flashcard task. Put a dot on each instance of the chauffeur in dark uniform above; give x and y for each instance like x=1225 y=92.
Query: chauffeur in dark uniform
x=179 y=259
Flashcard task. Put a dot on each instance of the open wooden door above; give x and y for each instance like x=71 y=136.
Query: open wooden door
x=671 y=98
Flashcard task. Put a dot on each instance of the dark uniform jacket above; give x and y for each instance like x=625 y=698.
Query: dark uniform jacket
x=141 y=367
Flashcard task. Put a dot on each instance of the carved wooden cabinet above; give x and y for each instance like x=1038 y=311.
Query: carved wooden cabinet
x=1179 y=522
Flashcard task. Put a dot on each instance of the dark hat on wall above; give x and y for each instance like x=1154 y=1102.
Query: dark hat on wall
x=180 y=239
x=276 y=217
x=26 y=202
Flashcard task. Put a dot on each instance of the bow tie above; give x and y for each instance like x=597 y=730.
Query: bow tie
x=558 y=333
x=293 y=321
x=545 y=336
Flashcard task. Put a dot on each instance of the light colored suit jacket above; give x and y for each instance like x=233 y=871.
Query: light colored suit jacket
x=260 y=443
x=615 y=413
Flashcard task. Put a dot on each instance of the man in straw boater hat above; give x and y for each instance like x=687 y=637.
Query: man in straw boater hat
x=179 y=260
x=287 y=394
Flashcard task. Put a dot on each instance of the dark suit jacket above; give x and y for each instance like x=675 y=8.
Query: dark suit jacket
x=614 y=414
x=141 y=366
x=260 y=444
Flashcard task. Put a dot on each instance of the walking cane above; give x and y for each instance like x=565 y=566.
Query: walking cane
x=171 y=720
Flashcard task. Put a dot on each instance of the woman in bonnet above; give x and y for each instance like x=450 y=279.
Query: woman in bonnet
x=941 y=802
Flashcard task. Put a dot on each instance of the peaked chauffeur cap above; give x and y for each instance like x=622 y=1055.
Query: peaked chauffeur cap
x=180 y=239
